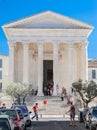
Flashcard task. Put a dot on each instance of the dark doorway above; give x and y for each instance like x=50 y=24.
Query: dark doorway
x=47 y=77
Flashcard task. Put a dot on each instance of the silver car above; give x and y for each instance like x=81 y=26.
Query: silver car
x=91 y=118
x=6 y=123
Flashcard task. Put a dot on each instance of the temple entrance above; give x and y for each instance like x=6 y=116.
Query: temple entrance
x=48 y=77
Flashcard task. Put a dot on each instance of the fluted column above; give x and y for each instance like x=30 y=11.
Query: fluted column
x=75 y=63
x=84 y=61
x=70 y=64
x=55 y=67
x=11 y=61
x=25 y=62
x=40 y=69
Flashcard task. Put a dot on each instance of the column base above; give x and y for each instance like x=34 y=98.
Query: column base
x=54 y=93
x=40 y=94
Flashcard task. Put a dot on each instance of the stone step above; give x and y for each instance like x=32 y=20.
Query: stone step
x=54 y=106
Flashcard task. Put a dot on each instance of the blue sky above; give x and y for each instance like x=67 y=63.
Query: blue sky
x=83 y=10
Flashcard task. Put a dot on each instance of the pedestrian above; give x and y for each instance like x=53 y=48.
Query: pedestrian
x=72 y=114
x=62 y=96
x=86 y=109
x=68 y=98
x=35 y=110
x=57 y=89
x=45 y=90
x=3 y=106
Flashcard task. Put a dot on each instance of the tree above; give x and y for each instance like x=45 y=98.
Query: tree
x=87 y=90
x=18 y=91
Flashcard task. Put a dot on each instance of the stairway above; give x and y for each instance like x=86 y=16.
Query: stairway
x=55 y=106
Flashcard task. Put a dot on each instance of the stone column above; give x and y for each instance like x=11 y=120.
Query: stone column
x=70 y=64
x=11 y=62
x=25 y=62
x=40 y=69
x=55 y=67
x=75 y=63
x=84 y=61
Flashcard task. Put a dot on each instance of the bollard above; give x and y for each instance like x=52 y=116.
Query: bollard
x=40 y=115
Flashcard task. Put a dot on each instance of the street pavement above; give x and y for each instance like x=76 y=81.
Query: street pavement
x=55 y=125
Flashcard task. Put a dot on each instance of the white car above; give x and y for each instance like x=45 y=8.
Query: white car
x=6 y=123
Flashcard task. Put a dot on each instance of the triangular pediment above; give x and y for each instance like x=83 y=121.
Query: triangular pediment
x=48 y=20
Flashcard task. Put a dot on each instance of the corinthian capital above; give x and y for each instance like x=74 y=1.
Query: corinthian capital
x=84 y=44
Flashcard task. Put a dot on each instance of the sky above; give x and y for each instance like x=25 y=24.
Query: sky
x=82 y=10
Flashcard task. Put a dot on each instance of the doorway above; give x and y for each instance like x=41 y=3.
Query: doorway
x=47 y=77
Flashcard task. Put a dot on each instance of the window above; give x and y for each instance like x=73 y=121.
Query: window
x=0 y=87
x=0 y=74
x=0 y=63
x=93 y=74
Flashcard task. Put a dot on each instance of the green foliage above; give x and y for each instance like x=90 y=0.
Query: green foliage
x=78 y=85
x=87 y=90
x=18 y=91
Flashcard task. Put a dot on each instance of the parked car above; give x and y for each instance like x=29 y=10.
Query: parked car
x=25 y=112
x=22 y=122
x=6 y=123
x=91 y=118
x=14 y=116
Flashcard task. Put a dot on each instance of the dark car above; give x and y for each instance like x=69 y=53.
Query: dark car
x=25 y=111
x=91 y=118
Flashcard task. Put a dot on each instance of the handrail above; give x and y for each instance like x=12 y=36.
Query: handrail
x=55 y=116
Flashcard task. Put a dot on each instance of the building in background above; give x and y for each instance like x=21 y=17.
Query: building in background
x=47 y=49
x=92 y=70
x=3 y=72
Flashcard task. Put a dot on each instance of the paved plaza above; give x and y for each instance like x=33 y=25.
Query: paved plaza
x=55 y=106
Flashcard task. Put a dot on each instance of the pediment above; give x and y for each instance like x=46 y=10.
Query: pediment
x=48 y=20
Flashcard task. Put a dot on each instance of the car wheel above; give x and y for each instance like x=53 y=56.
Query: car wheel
x=25 y=128
x=16 y=128
x=28 y=123
x=86 y=126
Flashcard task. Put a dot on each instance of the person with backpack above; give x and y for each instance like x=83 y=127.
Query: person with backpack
x=72 y=114
x=35 y=110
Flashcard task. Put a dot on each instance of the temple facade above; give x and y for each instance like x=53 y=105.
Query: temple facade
x=47 y=49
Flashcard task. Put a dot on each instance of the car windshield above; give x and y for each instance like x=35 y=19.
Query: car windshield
x=23 y=108
x=20 y=112
x=11 y=113
x=4 y=124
